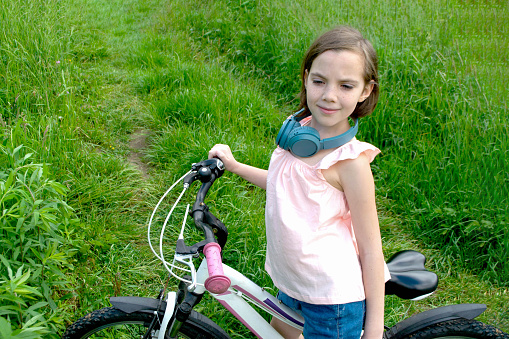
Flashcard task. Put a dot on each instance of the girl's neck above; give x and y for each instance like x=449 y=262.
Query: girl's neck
x=330 y=131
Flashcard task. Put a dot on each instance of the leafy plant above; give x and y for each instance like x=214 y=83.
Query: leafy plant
x=34 y=240
x=16 y=294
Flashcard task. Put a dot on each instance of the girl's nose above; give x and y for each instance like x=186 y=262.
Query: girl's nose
x=329 y=94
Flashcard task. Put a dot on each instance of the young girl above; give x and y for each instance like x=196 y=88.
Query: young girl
x=324 y=250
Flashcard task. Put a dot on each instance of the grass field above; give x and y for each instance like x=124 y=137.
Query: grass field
x=78 y=80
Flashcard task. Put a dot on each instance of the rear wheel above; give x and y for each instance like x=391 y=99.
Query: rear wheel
x=112 y=323
x=457 y=329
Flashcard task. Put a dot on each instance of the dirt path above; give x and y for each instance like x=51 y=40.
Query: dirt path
x=137 y=145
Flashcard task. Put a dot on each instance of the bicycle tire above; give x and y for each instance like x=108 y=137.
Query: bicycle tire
x=457 y=329
x=110 y=322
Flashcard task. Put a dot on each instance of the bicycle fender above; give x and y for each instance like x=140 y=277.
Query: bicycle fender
x=137 y=304
x=434 y=316
x=168 y=314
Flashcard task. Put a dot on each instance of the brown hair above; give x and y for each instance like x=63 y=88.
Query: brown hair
x=344 y=38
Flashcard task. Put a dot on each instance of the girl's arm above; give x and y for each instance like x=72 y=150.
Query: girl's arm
x=254 y=175
x=356 y=179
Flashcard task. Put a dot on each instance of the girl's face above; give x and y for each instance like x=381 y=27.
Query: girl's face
x=334 y=86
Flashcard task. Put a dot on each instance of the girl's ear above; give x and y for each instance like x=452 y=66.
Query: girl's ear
x=367 y=91
x=306 y=73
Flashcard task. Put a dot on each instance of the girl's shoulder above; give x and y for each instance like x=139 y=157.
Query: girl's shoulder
x=346 y=163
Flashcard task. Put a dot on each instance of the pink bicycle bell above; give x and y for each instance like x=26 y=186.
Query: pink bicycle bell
x=217 y=282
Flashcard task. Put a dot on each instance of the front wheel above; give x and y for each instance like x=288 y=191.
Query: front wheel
x=112 y=323
x=458 y=329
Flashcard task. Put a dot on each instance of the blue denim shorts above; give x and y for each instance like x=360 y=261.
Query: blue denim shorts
x=339 y=321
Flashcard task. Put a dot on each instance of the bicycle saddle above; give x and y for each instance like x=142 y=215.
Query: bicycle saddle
x=409 y=277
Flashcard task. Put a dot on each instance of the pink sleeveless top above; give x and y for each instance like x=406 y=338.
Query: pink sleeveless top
x=312 y=253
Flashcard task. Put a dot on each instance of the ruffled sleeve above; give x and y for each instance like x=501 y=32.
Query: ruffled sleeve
x=350 y=150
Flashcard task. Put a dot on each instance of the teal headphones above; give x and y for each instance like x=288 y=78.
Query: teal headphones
x=304 y=141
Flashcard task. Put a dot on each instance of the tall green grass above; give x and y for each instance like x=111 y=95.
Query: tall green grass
x=74 y=116
x=31 y=46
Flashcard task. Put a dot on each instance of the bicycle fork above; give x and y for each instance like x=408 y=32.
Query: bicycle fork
x=184 y=308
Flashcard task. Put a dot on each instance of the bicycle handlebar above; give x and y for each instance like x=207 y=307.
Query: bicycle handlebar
x=207 y=171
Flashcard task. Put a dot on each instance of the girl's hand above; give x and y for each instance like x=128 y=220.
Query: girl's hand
x=254 y=175
x=224 y=153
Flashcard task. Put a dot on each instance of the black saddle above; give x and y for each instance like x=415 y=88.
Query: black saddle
x=409 y=277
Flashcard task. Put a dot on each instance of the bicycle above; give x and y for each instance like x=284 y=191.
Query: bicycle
x=171 y=314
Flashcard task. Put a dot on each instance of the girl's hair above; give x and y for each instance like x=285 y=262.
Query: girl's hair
x=344 y=38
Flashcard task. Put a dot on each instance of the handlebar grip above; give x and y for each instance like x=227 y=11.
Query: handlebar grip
x=217 y=282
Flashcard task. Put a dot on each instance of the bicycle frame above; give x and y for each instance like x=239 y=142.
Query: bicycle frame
x=237 y=300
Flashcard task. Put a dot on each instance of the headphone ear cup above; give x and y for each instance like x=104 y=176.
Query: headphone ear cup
x=304 y=141
x=282 y=137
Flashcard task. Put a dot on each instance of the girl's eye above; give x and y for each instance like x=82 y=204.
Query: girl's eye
x=317 y=81
x=347 y=86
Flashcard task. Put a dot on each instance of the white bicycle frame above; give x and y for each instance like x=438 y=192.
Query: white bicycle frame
x=237 y=300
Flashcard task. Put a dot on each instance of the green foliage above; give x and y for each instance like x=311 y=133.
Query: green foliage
x=16 y=295
x=445 y=152
x=481 y=241
x=35 y=225
x=31 y=76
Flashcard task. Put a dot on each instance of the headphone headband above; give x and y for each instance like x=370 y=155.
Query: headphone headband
x=304 y=141
x=341 y=139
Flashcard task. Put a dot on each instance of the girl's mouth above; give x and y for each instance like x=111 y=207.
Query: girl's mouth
x=327 y=110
